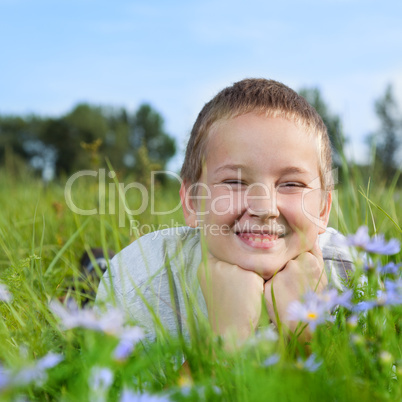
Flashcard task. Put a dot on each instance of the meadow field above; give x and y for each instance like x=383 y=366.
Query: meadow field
x=51 y=351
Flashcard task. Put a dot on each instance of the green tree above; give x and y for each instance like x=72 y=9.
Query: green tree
x=148 y=130
x=388 y=138
x=117 y=142
x=66 y=135
x=84 y=137
x=138 y=140
x=17 y=134
x=19 y=141
x=331 y=120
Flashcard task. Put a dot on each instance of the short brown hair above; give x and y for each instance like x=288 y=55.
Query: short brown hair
x=261 y=96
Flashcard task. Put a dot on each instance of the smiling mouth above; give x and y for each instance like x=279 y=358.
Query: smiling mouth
x=260 y=237
x=259 y=240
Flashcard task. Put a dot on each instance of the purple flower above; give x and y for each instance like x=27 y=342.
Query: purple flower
x=392 y=295
x=100 y=380
x=123 y=350
x=35 y=372
x=353 y=320
x=28 y=375
x=310 y=364
x=317 y=306
x=271 y=360
x=129 y=337
x=130 y=396
x=364 y=306
x=376 y=244
x=330 y=298
x=360 y=239
x=49 y=361
x=311 y=312
x=4 y=378
x=326 y=299
x=390 y=268
x=112 y=322
x=100 y=377
x=394 y=286
x=344 y=299
x=71 y=317
x=5 y=295
x=265 y=334
x=393 y=292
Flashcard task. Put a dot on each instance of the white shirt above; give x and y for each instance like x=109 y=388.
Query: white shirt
x=155 y=278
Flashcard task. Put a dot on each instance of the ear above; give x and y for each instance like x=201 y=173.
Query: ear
x=187 y=204
x=324 y=214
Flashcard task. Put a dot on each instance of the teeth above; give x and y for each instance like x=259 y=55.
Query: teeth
x=260 y=238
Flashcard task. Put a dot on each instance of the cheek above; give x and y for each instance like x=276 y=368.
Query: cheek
x=311 y=206
x=224 y=203
x=304 y=229
x=300 y=211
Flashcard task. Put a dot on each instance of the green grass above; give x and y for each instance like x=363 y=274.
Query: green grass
x=42 y=240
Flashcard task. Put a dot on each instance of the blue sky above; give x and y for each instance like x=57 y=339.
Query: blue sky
x=178 y=54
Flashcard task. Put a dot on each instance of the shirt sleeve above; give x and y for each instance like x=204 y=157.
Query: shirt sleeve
x=338 y=261
x=142 y=284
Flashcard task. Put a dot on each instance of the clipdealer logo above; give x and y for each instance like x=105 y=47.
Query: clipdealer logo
x=109 y=205
x=112 y=197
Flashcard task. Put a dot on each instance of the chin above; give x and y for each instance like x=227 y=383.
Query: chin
x=265 y=269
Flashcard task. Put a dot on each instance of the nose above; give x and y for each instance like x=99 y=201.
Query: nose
x=261 y=201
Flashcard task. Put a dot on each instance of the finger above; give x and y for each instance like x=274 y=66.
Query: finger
x=311 y=262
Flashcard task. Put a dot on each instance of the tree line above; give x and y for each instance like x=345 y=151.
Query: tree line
x=85 y=136
x=385 y=142
x=138 y=142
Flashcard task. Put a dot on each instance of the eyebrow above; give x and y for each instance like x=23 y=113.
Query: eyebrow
x=293 y=170
x=233 y=167
x=284 y=171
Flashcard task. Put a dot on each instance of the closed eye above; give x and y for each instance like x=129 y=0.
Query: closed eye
x=234 y=183
x=290 y=188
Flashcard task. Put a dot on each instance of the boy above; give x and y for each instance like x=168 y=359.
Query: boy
x=256 y=197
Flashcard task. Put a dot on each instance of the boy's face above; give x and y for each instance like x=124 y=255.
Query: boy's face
x=259 y=201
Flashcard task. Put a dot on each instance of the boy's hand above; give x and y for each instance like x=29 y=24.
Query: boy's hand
x=233 y=297
x=292 y=282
